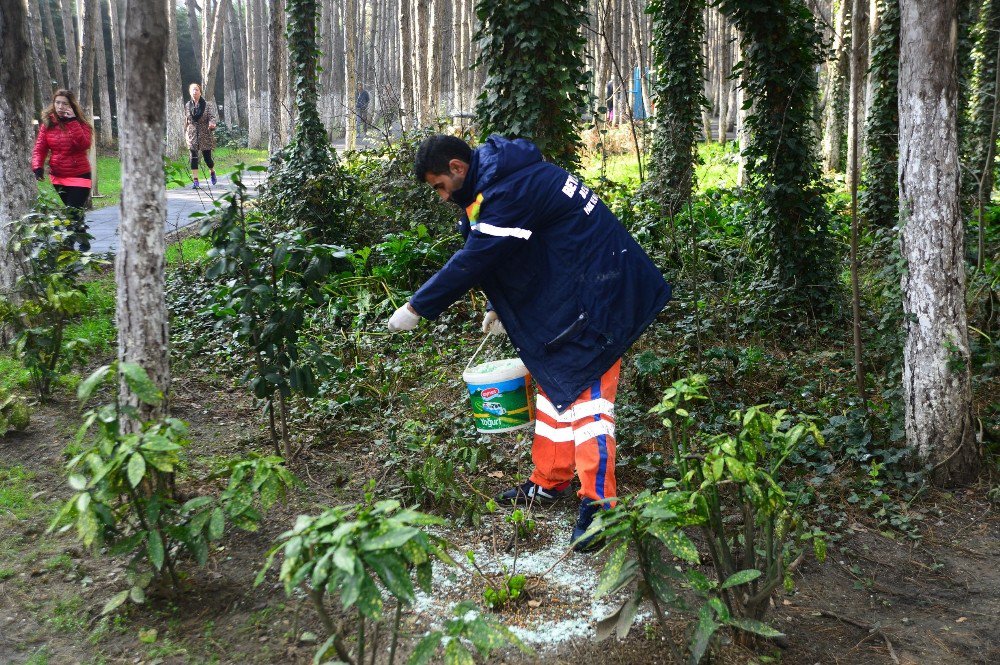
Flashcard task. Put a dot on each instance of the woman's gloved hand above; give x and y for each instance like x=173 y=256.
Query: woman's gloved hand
x=404 y=318
x=39 y=174
x=492 y=324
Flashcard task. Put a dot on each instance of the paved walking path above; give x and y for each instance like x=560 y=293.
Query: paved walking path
x=103 y=222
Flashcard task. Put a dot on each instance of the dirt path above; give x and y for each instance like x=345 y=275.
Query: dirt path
x=877 y=599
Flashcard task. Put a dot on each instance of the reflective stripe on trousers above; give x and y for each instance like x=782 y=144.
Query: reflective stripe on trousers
x=581 y=439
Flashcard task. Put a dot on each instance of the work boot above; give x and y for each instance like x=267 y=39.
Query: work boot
x=528 y=492
x=584 y=518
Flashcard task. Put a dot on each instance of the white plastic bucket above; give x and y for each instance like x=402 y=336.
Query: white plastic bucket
x=501 y=396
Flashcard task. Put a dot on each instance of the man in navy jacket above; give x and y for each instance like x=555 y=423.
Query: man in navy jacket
x=567 y=283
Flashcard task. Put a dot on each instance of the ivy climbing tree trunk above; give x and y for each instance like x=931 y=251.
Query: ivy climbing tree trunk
x=780 y=47
x=879 y=199
x=936 y=376
x=833 y=96
x=141 y=311
x=16 y=139
x=678 y=28
x=534 y=40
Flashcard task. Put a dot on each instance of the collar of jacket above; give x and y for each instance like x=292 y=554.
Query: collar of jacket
x=466 y=194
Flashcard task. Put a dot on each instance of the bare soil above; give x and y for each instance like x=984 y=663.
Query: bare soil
x=879 y=597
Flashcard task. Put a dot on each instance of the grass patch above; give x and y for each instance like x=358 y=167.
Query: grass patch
x=189 y=250
x=16 y=491
x=12 y=375
x=66 y=616
x=718 y=167
x=109 y=172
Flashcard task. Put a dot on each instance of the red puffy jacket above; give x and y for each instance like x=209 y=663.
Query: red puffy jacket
x=69 y=142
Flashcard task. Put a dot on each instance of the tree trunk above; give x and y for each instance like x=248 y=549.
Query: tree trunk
x=105 y=128
x=213 y=44
x=43 y=78
x=228 y=58
x=406 y=67
x=174 y=96
x=274 y=76
x=435 y=71
x=725 y=83
x=833 y=112
x=192 y=14
x=72 y=47
x=422 y=77
x=350 y=30
x=116 y=60
x=239 y=48
x=252 y=72
x=52 y=47
x=141 y=311
x=936 y=377
x=16 y=139
x=88 y=37
x=859 y=50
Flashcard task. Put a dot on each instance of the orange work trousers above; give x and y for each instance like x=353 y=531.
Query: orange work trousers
x=581 y=439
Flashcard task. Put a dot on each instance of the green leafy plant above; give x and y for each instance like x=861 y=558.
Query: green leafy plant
x=124 y=500
x=344 y=550
x=48 y=296
x=469 y=626
x=272 y=279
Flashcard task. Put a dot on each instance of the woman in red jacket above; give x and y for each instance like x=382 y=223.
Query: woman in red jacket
x=65 y=133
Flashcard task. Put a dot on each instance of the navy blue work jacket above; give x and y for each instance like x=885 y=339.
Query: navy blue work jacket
x=571 y=286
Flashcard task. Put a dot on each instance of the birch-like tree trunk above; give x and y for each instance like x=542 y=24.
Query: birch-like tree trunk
x=421 y=64
x=16 y=139
x=213 y=52
x=406 y=97
x=859 y=49
x=275 y=72
x=192 y=17
x=72 y=46
x=228 y=61
x=936 y=377
x=174 y=90
x=833 y=112
x=105 y=128
x=350 y=30
x=253 y=70
x=52 y=46
x=88 y=36
x=141 y=311
x=43 y=78
x=116 y=60
x=435 y=71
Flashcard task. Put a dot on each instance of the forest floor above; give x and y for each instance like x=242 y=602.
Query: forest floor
x=879 y=597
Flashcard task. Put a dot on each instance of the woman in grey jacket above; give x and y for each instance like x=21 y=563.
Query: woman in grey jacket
x=199 y=126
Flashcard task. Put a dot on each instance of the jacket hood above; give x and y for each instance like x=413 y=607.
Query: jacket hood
x=499 y=157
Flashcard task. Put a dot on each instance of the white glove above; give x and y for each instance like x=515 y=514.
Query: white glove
x=492 y=324
x=403 y=319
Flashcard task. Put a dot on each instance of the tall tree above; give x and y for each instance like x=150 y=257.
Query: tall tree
x=833 y=92
x=72 y=46
x=43 y=78
x=52 y=45
x=857 y=102
x=780 y=49
x=678 y=28
x=407 y=101
x=350 y=62
x=275 y=74
x=174 y=90
x=116 y=57
x=937 y=385
x=192 y=17
x=213 y=49
x=141 y=312
x=88 y=39
x=879 y=199
x=105 y=128
x=534 y=40
x=16 y=139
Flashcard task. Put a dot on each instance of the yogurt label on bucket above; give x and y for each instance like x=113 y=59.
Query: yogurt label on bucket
x=501 y=406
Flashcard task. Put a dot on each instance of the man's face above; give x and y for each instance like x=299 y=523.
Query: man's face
x=446 y=183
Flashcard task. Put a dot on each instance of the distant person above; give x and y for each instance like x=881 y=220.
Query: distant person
x=66 y=134
x=361 y=105
x=199 y=128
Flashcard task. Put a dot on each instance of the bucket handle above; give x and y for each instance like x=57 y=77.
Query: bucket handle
x=480 y=348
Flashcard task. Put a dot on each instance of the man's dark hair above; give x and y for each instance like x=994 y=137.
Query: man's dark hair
x=436 y=151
